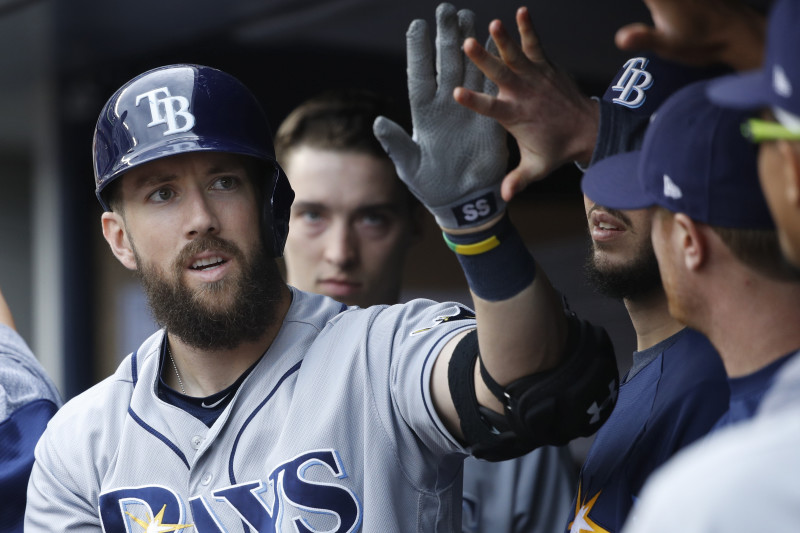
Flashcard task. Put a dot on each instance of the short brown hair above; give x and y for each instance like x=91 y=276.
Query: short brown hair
x=337 y=120
x=759 y=249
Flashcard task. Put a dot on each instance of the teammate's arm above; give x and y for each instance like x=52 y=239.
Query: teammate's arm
x=454 y=163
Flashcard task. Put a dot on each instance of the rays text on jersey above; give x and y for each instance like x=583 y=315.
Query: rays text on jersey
x=305 y=494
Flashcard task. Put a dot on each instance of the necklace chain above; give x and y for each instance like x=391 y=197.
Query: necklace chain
x=178 y=374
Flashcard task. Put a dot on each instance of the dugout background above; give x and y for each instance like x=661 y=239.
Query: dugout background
x=75 y=305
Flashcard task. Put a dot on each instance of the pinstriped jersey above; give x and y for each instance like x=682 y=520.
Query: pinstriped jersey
x=333 y=430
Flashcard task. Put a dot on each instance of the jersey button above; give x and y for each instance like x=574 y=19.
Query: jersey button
x=206 y=479
x=197 y=440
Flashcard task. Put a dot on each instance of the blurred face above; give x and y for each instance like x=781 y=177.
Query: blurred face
x=621 y=263
x=191 y=231
x=772 y=172
x=350 y=228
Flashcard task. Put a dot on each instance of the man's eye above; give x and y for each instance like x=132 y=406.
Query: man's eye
x=311 y=216
x=375 y=219
x=225 y=183
x=162 y=195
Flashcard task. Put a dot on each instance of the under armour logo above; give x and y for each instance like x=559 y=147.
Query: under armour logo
x=671 y=190
x=780 y=82
x=171 y=114
x=633 y=83
x=595 y=409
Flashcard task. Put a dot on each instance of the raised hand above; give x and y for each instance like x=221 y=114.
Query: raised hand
x=455 y=160
x=540 y=105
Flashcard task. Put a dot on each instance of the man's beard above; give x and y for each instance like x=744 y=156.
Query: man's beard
x=635 y=280
x=199 y=317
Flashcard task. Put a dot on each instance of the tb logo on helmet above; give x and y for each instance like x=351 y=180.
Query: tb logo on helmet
x=171 y=114
x=633 y=83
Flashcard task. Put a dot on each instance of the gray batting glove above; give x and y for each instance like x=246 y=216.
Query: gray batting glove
x=456 y=159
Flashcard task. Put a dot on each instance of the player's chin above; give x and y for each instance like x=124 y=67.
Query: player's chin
x=605 y=259
x=219 y=294
x=347 y=293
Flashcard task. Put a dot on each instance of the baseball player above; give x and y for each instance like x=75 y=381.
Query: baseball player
x=352 y=223
x=744 y=478
x=28 y=398
x=676 y=389
x=714 y=239
x=259 y=407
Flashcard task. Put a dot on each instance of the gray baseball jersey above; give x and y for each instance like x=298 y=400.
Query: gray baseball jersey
x=333 y=430
x=529 y=494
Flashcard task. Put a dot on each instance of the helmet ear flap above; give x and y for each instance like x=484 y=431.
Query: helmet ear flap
x=277 y=209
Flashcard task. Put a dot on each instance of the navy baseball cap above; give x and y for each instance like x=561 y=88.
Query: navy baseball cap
x=694 y=160
x=777 y=83
x=636 y=91
x=643 y=82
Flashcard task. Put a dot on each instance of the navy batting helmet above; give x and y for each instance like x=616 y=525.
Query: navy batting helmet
x=189 y=108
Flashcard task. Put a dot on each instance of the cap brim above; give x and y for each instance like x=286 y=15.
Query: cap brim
x=614 y=182
x=749 y=90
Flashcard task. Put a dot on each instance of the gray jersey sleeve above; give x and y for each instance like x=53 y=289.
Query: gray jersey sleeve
x=28 y=399
x=22 y=378
x=421 y=333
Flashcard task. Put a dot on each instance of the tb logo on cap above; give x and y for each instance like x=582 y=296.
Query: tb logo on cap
x=780 y=82
x=633 y=83
x=171 y=113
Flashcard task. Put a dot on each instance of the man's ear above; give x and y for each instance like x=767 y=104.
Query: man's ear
x=691 y=241
x=116 y=236
x=790 y=153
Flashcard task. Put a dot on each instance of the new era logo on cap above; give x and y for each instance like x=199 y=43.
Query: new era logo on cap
x=780 y=82
x=671 y=190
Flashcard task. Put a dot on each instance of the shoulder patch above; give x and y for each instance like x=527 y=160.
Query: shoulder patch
x=457 y=313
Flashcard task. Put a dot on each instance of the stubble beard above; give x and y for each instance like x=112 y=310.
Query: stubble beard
x=637 y=279
x=219 y=315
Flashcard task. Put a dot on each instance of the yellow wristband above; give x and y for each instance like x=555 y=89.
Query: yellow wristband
x=472 y=249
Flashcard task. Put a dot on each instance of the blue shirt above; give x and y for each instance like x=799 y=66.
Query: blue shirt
x=747 y=392
x=673 y=395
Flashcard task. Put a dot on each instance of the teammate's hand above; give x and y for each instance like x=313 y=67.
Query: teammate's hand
x=542 y=107
x=699 y=33
x=455 y=160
